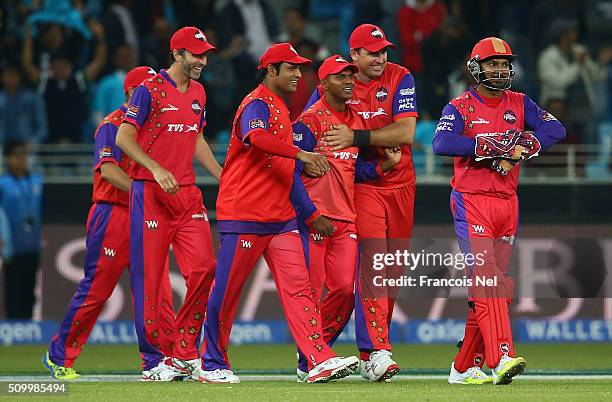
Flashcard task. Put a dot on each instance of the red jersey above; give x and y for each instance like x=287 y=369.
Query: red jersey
x=255 y=187
x=168 y=123
x=332 y=194
x=497 y=116
x=105 y=150
x=381 y=102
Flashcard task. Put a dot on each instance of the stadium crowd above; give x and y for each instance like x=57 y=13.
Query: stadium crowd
x=63 y=61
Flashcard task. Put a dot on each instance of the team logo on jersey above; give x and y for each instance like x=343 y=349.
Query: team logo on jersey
x=132 y=111
x=297 y=137
x=169 y=108
x=545 y=116
x=202 y=216
x=381 y=94
x=257 y=123
x=478 y=229
x=480 y=121
x=106 y=152
x=200 y=36
x=509 y=117
x=504 y=347
x=377 y=33
x=196 y=107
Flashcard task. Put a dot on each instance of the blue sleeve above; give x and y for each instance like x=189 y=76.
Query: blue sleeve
x=139 y=108
x=448 y=139
x=203 y=118
x=304 y=139
x=105 y=149
x=5 y=236
x=254 y=117
x=303 y=205
x=315 y=96
x=404 y=98
x=547 y=129
x=364 y=170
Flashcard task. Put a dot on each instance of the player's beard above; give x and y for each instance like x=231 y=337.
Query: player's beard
x=191 y=71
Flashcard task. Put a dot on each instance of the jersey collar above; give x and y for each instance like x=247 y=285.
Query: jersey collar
x=340 y=115
x=485 y=100
x=164 y=74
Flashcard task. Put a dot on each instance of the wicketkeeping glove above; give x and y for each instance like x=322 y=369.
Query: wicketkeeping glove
x=496 y=145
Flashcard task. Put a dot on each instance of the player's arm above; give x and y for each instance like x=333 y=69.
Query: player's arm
x=138 y=111
x=547 y=129
x=205 y=157
x=448 y=139
x=107 y=157
x=400 y=132
x=253 y=130
x=92 y=70
x=365 y=171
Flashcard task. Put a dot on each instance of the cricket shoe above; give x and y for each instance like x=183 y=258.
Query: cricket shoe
x=219 y=376
x=163 y=373
x=302 y=376
x=507 y=368
x=59 y=372
x=380 y=367
x=333 y=368
x=472 y=376
x=191 y=368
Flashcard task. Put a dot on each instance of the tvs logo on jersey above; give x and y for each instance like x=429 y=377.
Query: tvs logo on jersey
x=132 y=111
x=196 y=107
x=151 y=225
x=377 y=33
x=504 y=347
x=509 y=117
x=369 y=115
x=179 y=128
x=381 y=94
x=106 y=152
x=257 y=123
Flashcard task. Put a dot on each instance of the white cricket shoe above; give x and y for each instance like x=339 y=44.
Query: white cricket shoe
x=472 y=376
x=191 y=368
x=161 y=372
x=302 y=376
x=507 y=368
x=333 y=368
x=380 y=367
x=219 y=376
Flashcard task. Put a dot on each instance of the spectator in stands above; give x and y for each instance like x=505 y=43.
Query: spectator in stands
x=109 y=92
x=21 y=195
x=155 y=45
x=64 y=88
x=120 y=27
x=567 y=71
x=22 y=111
x=417 y=20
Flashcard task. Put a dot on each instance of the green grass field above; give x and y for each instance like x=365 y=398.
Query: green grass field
x=257 y=362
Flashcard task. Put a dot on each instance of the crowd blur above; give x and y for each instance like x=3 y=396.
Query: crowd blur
x=63 y=61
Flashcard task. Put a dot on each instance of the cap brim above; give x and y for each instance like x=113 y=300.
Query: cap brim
x=378 y=45
x=340 y=68
x=201 y=48
x=294 y=60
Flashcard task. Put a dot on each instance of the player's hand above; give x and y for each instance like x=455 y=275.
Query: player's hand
x=393 y=155
x=339 y=137
x=315 y=165
x=323 y=226
x=166 y=180
x=519 y=151
x=97 y=28
x=503 y=166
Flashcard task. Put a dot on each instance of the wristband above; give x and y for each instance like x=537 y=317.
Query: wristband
x=361 y=137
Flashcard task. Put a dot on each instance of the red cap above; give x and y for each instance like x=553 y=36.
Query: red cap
x=281 y=52
x=136 y=76
x=369 y=37
x=191 y=39
x=492 y=47
x=335 y=64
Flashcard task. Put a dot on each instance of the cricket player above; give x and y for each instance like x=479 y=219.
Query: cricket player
x=161 y=132
x=384 y=97
x=256 y=217
x=489 y=130
x=332 y=260
x=107 y=243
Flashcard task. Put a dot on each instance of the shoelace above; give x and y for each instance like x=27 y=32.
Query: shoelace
x=66 y=371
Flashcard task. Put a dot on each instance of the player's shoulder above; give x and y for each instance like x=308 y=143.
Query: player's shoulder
x=196 y=85
x=395 y=72
x=460 y=99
